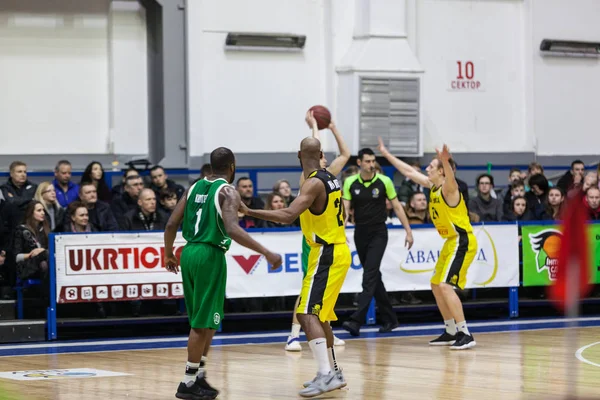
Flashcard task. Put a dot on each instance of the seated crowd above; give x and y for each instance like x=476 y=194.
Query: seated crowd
x=29 y=211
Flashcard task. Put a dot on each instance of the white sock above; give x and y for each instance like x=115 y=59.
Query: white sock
x=319 y=350
x=450 y=326
x=191 y=369
x=295 y=330
x=462 y=326
x=332 y=360
x=202 y=369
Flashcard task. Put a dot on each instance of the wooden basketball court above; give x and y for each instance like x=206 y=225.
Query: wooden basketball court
x=505 y=365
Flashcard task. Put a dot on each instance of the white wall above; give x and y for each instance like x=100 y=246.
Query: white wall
x=129 y=83
x=55 y=75
x=249 y=101
x=566 y=90
x=489 y=33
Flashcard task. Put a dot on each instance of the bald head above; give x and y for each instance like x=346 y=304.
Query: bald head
x=310 y=147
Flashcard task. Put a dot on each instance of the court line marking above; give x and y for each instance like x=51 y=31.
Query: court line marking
x=580 y=357
x=279 y=334
x=279 y=342
x=271 y=342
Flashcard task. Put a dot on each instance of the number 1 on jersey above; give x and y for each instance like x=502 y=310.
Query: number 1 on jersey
x=198 y=216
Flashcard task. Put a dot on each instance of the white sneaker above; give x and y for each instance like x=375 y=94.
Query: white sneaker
x=338 y=342
x=293 y=344
x=323 y=384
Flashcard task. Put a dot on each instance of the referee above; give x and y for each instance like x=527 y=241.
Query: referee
x=366 y=193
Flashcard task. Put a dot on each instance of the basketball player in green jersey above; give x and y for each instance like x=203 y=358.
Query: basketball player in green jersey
x=293 y=341
x=208 y=210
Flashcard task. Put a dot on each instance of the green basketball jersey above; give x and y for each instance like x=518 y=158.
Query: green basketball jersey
x=202 y=220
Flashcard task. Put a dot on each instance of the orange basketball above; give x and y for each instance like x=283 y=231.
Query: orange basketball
x=322 y=115
x=552 y=246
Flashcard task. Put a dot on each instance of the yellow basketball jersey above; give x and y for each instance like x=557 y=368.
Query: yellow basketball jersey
x=327 y=227
x=449 y=221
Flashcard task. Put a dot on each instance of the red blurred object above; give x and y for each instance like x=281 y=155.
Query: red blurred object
x=574 y=253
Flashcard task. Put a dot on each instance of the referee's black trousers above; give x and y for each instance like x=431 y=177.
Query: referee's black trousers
x=371 y=241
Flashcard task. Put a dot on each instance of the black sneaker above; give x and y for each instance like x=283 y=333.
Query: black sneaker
x=201 y=381
x=463 y=342
x=445 y=339
x=194 y=392
x=352 y=326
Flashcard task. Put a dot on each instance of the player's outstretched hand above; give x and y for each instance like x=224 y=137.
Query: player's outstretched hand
x=310 y=120
x=444 y=154
x=243 y=209
x=408 y=242
x=381 y=146
x=171 y=263
x=274 y=260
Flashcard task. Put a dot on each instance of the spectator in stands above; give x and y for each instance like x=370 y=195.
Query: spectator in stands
x=120 y=188
x=408 y=187
x=514 y=175
x=168 y=201
x=205 y=171
x=245 y=188
x=17 y=193
x=283 y=187
x=592 y=203
x=99 y=213
x=416 y=210
x=79 y=220
x=590 y=179
x=55 y=214
x=554 y=206
x=518 y=210
x=536 y=197
x=94 y=173
x=275 y=201
x=486 y=207
x=30 y=242
x=160 y=182
x=534 y=168
x=127 y=201
x=66 y=191
x=516 y=189
x=145 y=217
x=572 y=177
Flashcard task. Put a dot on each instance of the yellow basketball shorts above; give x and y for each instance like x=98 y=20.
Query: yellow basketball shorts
x=455 y=259
x=327 y=269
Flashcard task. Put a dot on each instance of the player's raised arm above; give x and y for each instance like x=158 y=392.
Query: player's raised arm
x=170 y=234
x=312 y=124
x=338 y=164
x=310 y=191
x=450 y=187
x=403 y=167
x=230 y=203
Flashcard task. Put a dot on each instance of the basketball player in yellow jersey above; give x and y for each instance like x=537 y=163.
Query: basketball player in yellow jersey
x=293 y=341
x=450 y=216
x=319 y=206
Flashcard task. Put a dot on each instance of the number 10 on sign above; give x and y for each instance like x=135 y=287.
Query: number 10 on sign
x=466 y=75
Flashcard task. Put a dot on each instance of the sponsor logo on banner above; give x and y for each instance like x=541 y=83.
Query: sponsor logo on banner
x=132 y=291
x=162 y=290
x=147 y=291
x=71 y=293
x=102 y=292
x=117 y=259
x=87 y=293
x=58 y=374
x=546 y=246
x=249 y=263
x=177 y=289
x=117 y=292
